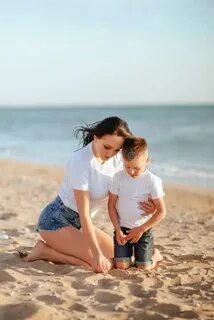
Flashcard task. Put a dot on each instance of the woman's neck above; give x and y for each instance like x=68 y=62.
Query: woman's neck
x=99 y=160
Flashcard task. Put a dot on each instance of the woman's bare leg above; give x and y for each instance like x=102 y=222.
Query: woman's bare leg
x=59 y=247
x=42 y=251
x=105 y=242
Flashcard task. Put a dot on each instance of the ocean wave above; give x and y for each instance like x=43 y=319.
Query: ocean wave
x=181 y=172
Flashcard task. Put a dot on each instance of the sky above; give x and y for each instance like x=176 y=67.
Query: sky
x=98 y=52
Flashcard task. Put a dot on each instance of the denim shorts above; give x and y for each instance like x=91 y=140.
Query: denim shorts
x=56 y=216
x=143 y=249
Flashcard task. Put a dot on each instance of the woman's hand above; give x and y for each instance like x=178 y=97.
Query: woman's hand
x=101 y=264
x=147 y=206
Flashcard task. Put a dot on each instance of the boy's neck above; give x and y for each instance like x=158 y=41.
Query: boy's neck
x=137 y=177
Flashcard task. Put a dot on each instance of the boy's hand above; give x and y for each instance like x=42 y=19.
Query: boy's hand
x=121 y=237
x=134 y=234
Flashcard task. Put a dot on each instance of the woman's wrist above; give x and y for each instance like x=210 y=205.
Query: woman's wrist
x=96 y=253
x=143 y=228
x=117 y=229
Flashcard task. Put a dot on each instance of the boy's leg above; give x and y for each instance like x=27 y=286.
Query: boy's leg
x=122 y=254
x=144 y=257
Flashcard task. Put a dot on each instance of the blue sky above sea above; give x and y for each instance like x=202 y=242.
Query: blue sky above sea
x=106 y=52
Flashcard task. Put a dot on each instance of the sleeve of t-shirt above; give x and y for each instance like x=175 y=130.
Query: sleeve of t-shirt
x=114 y=185
x=157 y=189
x=77 y=172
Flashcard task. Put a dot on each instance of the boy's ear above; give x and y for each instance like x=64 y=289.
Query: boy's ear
x=148 y=160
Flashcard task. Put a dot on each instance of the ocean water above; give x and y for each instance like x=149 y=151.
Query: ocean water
x=181 y=139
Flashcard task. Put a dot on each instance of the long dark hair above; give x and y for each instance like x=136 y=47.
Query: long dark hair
x=111 y=125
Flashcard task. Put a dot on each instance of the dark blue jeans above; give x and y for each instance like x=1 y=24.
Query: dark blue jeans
x=143 y=249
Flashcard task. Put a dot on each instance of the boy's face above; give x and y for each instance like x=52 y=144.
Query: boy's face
x=137 y=165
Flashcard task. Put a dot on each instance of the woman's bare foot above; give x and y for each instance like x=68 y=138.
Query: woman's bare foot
x=37 y=253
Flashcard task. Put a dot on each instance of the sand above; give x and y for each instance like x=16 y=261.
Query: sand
x=181 y=287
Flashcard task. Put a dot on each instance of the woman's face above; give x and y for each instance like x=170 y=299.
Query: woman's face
x=107 y=146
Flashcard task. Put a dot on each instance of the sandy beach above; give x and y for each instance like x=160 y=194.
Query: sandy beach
x=181 y=287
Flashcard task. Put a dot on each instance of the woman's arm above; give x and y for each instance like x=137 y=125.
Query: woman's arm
x=112 y=211
x=148 y=207
x=100 y=263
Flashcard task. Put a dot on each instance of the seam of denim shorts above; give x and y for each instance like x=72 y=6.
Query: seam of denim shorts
x=59 y=200
x=44 y=230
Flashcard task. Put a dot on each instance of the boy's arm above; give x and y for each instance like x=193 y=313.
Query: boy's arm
x=112 y=210
x=135 y=233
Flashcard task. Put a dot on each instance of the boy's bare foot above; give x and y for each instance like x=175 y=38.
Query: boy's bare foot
x=156 y=257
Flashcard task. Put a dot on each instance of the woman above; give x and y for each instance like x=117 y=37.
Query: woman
x=65 y=224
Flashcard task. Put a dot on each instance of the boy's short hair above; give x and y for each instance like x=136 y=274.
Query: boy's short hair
x=134 y=146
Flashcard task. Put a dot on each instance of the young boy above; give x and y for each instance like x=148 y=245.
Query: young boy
x=132 y=228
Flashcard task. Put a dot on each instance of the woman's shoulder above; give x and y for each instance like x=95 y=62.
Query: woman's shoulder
x=81 y=156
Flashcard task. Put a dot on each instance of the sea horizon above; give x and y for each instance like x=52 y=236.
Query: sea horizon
x=104 y=105
x=180 y=138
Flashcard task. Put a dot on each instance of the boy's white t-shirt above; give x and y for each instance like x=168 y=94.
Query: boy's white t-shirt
x=84 y=172
x=132 y=190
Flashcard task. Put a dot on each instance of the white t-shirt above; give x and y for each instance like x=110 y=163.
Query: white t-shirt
x=132 y=190
x=84 y=172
